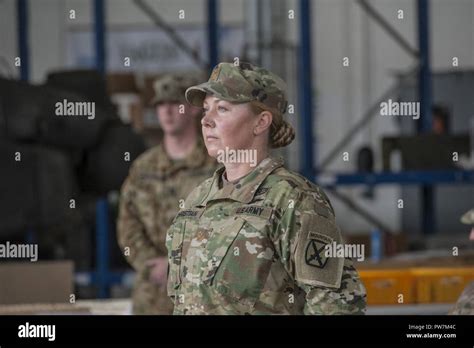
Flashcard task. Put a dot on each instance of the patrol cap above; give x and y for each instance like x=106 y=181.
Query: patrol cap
x=171 y=87
x=241 y=84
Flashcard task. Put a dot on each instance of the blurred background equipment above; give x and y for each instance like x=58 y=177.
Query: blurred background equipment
x=51 y=163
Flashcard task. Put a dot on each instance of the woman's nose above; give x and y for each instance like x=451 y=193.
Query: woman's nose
x=207 y=120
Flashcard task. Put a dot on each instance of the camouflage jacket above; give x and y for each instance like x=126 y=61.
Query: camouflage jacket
x=465 y=303
x=150 y=198
x=255 y=247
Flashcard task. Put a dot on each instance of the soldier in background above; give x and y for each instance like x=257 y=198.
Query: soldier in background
x=158 y=182
x=465 y=304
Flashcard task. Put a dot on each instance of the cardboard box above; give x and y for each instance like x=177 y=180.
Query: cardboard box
x=36 y=282
x=147 y=91
x=121 y=83
x=385 y=287
x=441 y=285
x=136 y=116
x=392 y=243
x=417 y=284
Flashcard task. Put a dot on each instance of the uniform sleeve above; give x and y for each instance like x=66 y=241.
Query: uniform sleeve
x=304 y=233
x=131 y=232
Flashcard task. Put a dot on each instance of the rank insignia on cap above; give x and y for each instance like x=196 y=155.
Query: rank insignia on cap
x=315 y=253
x=215 y=73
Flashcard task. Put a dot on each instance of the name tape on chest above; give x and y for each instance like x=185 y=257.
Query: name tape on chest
x=193 y=213
x=254 y=210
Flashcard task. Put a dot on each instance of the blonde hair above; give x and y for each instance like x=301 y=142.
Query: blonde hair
x=281 y=132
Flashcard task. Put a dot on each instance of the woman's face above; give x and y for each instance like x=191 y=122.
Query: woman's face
x=225 y=124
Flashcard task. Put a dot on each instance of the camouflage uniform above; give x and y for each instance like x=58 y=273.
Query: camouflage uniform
x=465 y=303
x=242 y=84
x=256 y=246
x=150 y=198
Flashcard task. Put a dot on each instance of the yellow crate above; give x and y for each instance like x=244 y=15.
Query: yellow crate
x=384 y=287
x=438 y=285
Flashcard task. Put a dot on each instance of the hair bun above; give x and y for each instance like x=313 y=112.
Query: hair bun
x=283 y=136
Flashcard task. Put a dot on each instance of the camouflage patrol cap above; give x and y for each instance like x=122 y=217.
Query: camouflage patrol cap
x=468 y=218
x=240 y=84
x=171 y=87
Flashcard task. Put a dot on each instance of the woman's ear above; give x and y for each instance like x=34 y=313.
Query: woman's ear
x=264 y=121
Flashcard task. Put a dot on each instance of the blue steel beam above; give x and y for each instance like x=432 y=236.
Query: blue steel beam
x=424 y=74
x=425 y=123
x=402 y=178
x=305 y=92
x=213 y=33
x=99 y=35
x=23 y=40
x=102 y=248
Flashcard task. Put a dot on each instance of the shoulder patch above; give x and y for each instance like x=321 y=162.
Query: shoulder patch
x=315 y=255
x=312 y=266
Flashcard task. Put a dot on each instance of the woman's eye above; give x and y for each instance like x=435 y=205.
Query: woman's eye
x=221 y=108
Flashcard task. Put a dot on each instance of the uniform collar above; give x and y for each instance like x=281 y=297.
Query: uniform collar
x=244 y=190
x=194 y=160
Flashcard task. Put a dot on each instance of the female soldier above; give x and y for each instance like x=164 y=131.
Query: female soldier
x=251 y=240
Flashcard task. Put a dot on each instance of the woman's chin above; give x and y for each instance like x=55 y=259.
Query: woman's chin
x=212 y=150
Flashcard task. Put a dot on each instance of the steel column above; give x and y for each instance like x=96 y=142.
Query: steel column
x=425 y=122
x=305 y=91
x=99 y=35
x=213 y=33
x=23 y=39
x=102 y=247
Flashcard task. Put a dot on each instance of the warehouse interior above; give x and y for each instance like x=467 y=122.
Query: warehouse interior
x=399 y=183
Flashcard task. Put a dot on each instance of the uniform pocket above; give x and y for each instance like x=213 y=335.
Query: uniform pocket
x=241 y=261
x=218 y=247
